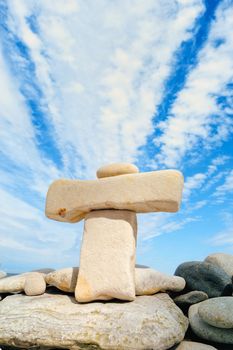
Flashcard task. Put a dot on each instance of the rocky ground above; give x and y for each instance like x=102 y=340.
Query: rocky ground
x=188 y=311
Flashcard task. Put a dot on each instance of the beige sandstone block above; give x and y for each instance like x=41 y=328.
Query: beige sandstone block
x=64 y=279
x=107 y=256
x=71 y=200
x=149 y=281
x=12 y=284
x=15 y=284
x=34 y=284
x=116 y=169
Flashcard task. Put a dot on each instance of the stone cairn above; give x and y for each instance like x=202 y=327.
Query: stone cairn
x=108 y=206
x=34 y=316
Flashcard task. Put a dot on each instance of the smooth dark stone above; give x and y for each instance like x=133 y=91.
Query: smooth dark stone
x=185 y=300
x=205 y=277
x=190 y=298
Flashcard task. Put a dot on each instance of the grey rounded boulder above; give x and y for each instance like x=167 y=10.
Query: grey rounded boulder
x=190 y=298
x=204 y=331
x=185 y=300
x=223 y=260
x=205 y=277
x=217 y=312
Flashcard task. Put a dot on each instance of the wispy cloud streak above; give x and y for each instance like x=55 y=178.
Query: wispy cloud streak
x=202 y=113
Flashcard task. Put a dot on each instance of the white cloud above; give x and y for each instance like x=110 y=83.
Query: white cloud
x=193 y=183
x=157 y=224
x=195 y=111
x=102 y=82
x=18 y=139
x=225 y=236
x=227 y=185
x=200 y=182
x=27 y=233
x=198 y=205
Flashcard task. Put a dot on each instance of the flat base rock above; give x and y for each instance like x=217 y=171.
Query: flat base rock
x=58 y=321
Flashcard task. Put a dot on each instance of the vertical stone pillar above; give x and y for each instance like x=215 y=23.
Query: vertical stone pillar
x=107 y=261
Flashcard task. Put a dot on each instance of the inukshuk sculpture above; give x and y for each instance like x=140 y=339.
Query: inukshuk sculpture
x=109 y=206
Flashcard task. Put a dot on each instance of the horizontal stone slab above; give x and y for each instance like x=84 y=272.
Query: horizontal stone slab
x=58 y=321
x=156 y=191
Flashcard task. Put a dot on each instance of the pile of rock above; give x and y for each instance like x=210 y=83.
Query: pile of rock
x=58 y=320
x=107 y=271
x=207 y=276
x=109 y=206
x=150 y=321
x=207 y=297
x=212 y=319
x=132 y=307
x=147 y=281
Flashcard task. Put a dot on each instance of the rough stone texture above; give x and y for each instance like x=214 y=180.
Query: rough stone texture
x=64 y=279
x=190 y=345
x=116 y=169
x=190 y=298
x=12 y=284
x=15 y=284
x=149 y=322
x=70 y=200
x=205 y=277
x=107 y=256
x=205 y=331
x=34 y=284
x=150 y=281
x=217 y=312
x=223 y=260
x=2 y=274
x=147 y=281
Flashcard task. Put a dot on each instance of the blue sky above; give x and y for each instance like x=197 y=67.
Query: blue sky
x=86 y=83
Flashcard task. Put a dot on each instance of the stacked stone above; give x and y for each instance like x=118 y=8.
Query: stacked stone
x=107 y=270
x=147 y=282
x=108 y=206
x=212 y=319
x=208 y=297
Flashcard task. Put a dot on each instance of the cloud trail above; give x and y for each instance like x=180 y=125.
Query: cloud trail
x=201 y=116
